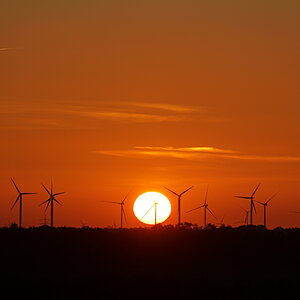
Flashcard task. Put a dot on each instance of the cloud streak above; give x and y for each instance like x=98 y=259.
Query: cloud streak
x=24 y=112
x=137 y=112
x=195 y=154
x=6 y=49
x=164 y=106
x=71 y=115
x=127 y=116
x=188 y=149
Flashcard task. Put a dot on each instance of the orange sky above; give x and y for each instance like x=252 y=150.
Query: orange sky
x=106 y=97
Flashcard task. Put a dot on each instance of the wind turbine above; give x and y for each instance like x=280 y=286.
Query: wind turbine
x=179 y=200
x=246 y=220
x=252 y=205
x=205 y=205
x=221 y=223
x=122 y=208
x=155 y=212
x=246 y=216
x=44 y=222
x=51 y=201
x=265 y=204
x=20 y=199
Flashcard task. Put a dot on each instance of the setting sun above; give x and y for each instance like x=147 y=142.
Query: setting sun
x=152 y=208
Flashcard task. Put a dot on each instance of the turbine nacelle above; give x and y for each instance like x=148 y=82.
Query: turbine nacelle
x=178 y=195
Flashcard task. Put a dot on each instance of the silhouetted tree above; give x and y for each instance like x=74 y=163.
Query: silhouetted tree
x=13 y=225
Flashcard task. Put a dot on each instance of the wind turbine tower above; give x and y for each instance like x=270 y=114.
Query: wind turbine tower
x=265 y=204
x=20 y=199
x=155 y=212
x=246 y=222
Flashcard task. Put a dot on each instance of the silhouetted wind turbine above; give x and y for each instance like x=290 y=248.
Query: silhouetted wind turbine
x=252 y=205
x=179 y=200
x=44 y=221
x=51 y=201
x=246 y=216
x=122 y=208
x=221 y=223
x=155 y=212
x=265 y=204
x=20 y=199
x=205 y=205
x=246 y=220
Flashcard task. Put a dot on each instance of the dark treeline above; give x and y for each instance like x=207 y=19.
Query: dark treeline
x=158 y=263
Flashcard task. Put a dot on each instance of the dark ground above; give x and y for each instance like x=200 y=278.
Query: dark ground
x=157 y=263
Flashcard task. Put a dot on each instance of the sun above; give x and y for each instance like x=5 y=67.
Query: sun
x=152 y=208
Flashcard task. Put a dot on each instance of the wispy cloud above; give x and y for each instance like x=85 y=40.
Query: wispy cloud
x=164 y=106
x=121 y=112
x=137 y=112
x=6 y=49
x=146 y=154
x=264 y=158
x=194 y=153
x=126 y=116
x=188 y=149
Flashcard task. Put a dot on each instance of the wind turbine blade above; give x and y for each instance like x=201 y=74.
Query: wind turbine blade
x=242 y=197
x=255 y=191
x=254 y=206
x=186 y=190
x=112 y=202
x=51 y=187
x=259 y=202
x=47 y=206
x=125 y=198
x=171 y=191
x=271 y=198
x=15 y=202
x=222 y=219
x=195 y=208
x=57 y=201
x=148 y=211
x=58 y=194
x=15 y=186
x=211 y=213
x=45 y=202
x=46 y=189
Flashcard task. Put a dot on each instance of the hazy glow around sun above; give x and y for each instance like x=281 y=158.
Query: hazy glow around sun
x=145 y=203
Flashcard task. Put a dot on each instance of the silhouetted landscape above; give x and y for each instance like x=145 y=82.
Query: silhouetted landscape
x=164 y=262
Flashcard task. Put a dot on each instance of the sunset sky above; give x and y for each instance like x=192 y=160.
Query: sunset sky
x=110 y=97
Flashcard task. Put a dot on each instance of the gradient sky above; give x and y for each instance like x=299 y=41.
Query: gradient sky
x=107 y=97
